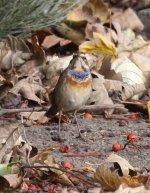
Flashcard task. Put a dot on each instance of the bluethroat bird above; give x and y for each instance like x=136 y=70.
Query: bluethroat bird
x=72 y=90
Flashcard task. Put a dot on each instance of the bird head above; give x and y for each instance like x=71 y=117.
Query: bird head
x=79 y=63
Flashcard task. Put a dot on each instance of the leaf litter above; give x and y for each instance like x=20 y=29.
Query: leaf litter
x=118 y=57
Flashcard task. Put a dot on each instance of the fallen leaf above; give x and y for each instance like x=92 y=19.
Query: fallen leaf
x=109 y=181
x=99 y=44
x=130 y=73
x=12 y=181
x=125 y=166
x=99 y=93
x=29 y=88
x=119 y=90
x=143 y=64
x=5 y=86
x=80 y=13
x=99 y=9
x=9 y=136
x=14 y=52
x=50 y=41
x=32 y=115
x=127 y=19
x=140 y=189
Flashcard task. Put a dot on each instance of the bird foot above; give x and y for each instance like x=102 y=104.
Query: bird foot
x=58 y=138
x=80 y=136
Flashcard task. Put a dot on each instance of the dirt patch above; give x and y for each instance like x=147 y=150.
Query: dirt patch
x=100 y=134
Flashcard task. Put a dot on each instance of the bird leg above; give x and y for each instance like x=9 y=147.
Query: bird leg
x=59 y=137
x=79 y=131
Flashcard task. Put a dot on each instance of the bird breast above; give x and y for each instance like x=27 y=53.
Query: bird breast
x=74 y=94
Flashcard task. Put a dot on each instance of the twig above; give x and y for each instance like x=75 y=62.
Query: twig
x=82 y=154
x=90 y=108
x=29 y=146
x=62 y=170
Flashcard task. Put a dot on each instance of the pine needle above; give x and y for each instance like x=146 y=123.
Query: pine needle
x=19 y=17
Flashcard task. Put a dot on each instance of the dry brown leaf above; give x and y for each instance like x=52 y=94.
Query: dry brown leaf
x=8 y=137
x=135 y=181
x=130 y=44
x=127 y=19
x=106 y=70
x=5 y=86
x=80 y=13
x=110 y=181
x=55 y=66
x=49 y=160
x=50 y=41
x=143 y=64
x=34 y=116
x=123 y=163
x=99 y=9
x=14 y=52
x=144 y=50
x=99 y=94
x=130 y=73
x=10 y=181
x=123 y=189
x=30 y=88
x=122 y=91
x=99 y=28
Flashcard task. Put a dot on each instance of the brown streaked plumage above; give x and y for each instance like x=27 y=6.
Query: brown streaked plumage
x=72 y=90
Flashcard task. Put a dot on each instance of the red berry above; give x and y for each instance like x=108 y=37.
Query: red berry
x=116 y=147
x=32 y=187
x=36 y=123
x=88 y=115
x=133 y=116
x=132 y=137
x=67 y=165
x=64 y=148
x=51 y=190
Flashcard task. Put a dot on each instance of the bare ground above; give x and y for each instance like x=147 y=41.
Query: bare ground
x=100 y=135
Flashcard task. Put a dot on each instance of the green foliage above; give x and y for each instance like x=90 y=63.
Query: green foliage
x=19 y=17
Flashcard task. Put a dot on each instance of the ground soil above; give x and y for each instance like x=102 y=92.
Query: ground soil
x=100 y=134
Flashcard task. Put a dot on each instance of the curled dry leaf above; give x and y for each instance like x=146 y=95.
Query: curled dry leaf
x=109 y=181
x=50 y=41
x=88 y=10
x=14 y=52
x=132 y=43
x=99 y=94
x=122 y=91
x=5 y=86
x=9 y=135
x=99 y=9
x=127 y=19
x=55 y=66
x=45 y=158
x=130 y=73
x=10 y=181
x=30 y=88
x=136 y=181
x=143 y=64
x=99 y=28
x=125 y=166
x=34 y=116
x=123 y=189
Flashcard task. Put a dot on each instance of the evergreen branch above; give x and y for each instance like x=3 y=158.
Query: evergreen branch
x=19 y=17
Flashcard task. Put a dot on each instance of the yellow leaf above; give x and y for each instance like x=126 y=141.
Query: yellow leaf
x=148 y=109
x=99 y=44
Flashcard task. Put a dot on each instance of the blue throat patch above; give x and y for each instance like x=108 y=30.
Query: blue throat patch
x=79 y=75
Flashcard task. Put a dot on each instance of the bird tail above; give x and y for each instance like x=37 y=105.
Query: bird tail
x=51 y=111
